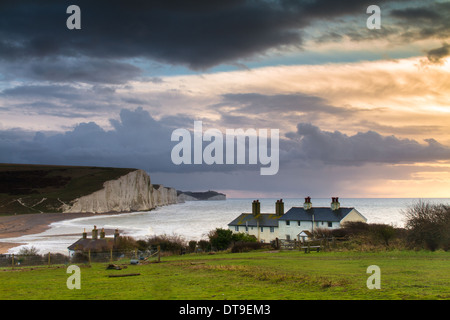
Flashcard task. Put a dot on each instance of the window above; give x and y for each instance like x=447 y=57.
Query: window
x=288 y=223
x=262 y=229
x=330 y=224
x=288 y=237
x=272 y=229
x=246 y=228
x=298 y=223
x=236 y=228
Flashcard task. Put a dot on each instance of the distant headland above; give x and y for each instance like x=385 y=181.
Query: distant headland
x=200 y=196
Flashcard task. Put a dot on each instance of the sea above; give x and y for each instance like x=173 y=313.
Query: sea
x=193 y=220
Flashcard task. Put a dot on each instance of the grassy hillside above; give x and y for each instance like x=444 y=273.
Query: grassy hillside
x=44 y=188
x=269 y=275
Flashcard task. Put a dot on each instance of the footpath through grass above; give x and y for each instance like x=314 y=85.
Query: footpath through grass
x=286 y=275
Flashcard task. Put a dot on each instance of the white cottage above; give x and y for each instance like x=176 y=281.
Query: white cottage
x=308 y=218
x=297 y=223
x=264 y=226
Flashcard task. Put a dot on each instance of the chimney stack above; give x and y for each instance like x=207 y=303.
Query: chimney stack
x=94 y=233
x=256 y=207
x=335 y=205
x=307 y=205
x=84 y=234
x=102 y=234
x=279 y=207
x=116 y=235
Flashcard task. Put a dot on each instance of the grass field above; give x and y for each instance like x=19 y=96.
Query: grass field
x=286 y=275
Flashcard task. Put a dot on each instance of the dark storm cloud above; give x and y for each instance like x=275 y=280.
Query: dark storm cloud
x=64 y=70
x=424 y=22
x=64 y=92
x=401 y=21
x=61 y=100
x=313 y=144
x=435 y=55
x=413 y=14
x=199 y=34
x=138 y=140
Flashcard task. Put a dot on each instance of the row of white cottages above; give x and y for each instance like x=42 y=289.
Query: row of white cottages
x=297 y=223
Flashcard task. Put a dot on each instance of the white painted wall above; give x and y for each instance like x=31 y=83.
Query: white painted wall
x=293 y=229
x=265 y=235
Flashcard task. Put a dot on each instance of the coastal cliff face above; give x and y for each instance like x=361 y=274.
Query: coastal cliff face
x=163 y=196
x=131 y=192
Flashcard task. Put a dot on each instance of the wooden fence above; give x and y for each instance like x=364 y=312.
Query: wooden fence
x=85 y=257
x=322 y=244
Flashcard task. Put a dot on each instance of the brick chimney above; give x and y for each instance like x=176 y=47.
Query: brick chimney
x=256 y=207
x=84 y=234
x=116 y=235
x=335 y=205
x=102 y=234
x=94 y=233
x=279 y=207
x=307 y=205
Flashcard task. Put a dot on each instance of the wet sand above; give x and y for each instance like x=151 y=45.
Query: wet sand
x=25 y=224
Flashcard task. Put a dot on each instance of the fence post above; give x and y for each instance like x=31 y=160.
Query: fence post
x=89 y=255
x=111 y=259
x=12 y=261
x=49 y=259
x=159 y=253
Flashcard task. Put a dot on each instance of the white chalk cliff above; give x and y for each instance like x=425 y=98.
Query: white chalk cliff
x=131 y=192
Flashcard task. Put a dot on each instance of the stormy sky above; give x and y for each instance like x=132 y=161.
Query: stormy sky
x=361 y=112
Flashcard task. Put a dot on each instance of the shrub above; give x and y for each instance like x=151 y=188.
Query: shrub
x=126 y=243
x=80 y=257
x=28 y=251
x=243 y=237
x=383 y=232
x=220 y=238
x=204 y=245
x=192 y=245
x=369 y=235
x=428 y=226
x=244 y=246
x=355 y=228
x=174 y=243
x=320 y=233
x=142 y=245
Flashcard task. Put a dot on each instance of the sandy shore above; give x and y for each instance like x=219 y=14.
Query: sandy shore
x=25 y=224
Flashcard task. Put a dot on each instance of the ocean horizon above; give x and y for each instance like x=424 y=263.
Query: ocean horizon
x=193 y=220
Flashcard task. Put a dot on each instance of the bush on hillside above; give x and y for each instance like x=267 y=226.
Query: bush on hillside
x=220 y=239
x=245 y=246
x=174 y=243
x=428 y=226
